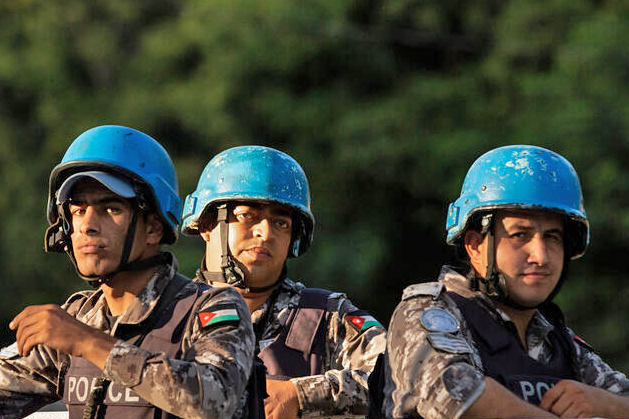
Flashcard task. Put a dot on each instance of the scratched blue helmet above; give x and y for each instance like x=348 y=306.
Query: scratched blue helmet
x=253 y=173
x=521 y=177
x=131 y=154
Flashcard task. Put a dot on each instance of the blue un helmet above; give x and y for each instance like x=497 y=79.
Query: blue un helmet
x=125 y=153
x=520 y=177
x=250 y=173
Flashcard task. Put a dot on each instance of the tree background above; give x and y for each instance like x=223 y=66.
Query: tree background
x=384 y=103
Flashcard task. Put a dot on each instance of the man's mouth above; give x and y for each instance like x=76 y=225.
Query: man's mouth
x=258 y=251
x=91 y=248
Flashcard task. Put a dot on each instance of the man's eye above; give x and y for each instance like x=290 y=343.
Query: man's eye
x=113 y=210
x=282 y=224
x=244 y=216
x=77 y=210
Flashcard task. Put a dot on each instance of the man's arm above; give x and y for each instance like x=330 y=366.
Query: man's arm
x=36 y=379
x=210 y=379
x=351 y=356
x=601 y=390
x=439 y=382
x=51 y=325
x=27 y=383
x=497 y=401
x=575 y=400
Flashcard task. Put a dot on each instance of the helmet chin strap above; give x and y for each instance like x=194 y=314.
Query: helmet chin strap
x=230 y=273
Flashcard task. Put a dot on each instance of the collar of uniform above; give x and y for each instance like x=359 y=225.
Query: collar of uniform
x=94 y=310
x=539 y=326
x=142 y=306
x=460 y=284
x=288 y=297
x=291 y=285
x=456 y=282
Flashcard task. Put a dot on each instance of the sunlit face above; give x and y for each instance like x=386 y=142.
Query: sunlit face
x=529 y=252
x=100 y=220
x=259 y=238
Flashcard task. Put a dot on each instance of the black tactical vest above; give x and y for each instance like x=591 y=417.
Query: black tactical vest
x=299 y=349
x=164 y=336
x=505 y=359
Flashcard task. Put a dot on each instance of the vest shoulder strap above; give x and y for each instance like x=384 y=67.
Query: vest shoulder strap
x=310 y=311
x=423 y=289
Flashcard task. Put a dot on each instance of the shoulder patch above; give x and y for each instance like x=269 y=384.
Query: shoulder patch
x=447 y=343
x=437 y=319
x=219 y=314
x=432 y=289
x=361 y=320
x=9 y=352
x=582 y=343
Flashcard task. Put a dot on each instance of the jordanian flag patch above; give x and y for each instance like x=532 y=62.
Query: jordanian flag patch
x=363 y=322
x=209 y=318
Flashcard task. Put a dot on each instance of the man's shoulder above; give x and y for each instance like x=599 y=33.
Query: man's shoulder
x=213 y=295
x=331 y=301
x=431 y=290
x=428 y=304
x=343 y=310
x=423 y=295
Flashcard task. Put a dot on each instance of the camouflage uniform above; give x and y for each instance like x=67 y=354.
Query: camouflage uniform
x=206 y=382
x=350 y=355
x=421 y=380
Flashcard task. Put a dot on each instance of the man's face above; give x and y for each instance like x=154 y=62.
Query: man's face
x=529 y=252
x=259 y=238
x=100 y=220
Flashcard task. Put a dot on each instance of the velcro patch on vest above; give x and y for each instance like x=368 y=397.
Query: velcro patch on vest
x=222 y=315
x=362 y=321
x=448 y=343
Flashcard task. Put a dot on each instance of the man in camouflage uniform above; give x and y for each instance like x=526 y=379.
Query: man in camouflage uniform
x=252 y=208
x=487 y=341
x=147 y=342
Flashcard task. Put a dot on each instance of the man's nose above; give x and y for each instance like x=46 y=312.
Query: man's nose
x=263 y=229
x=89 y=221
x=538 y=251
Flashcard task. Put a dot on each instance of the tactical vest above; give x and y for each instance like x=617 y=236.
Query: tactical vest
x=164 y=336
x=502 y=355
x=505 y=359
x=299 y=349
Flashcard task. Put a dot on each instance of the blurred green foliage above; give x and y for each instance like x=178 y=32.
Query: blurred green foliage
x=384 y=103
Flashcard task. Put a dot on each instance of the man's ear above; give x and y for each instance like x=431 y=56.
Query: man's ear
x=473 y=243
x=154 y=229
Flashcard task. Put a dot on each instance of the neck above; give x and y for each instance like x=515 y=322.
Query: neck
x=124 y=287
x=255 y=299
x=521 y=319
